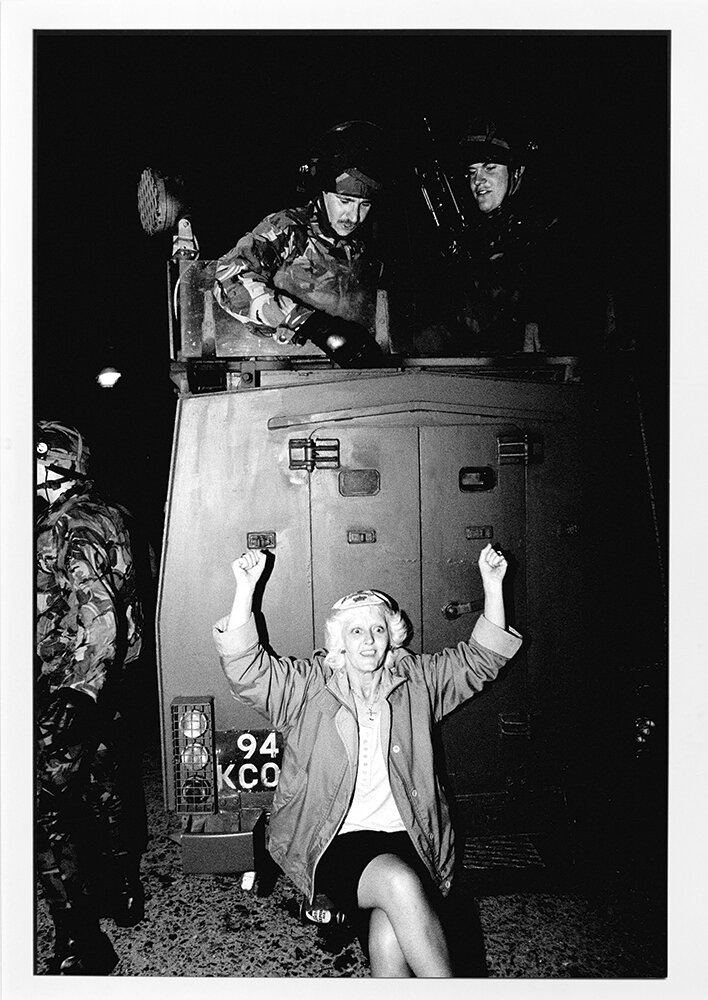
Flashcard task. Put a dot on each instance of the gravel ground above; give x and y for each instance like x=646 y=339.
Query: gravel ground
x=207 y=925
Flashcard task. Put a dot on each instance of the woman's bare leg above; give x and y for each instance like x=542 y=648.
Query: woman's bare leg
x=387 y=961
x=389 y=884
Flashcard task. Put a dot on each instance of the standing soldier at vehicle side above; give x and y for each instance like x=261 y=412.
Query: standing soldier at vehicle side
x=306 y=273
x=90 y=818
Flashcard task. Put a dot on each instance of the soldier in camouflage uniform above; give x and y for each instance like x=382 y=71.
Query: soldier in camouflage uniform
x=513 y=285
x=90 y=805
x=304 y=274
x=501 y=309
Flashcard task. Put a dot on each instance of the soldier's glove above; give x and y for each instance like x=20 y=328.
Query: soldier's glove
x=346 y=343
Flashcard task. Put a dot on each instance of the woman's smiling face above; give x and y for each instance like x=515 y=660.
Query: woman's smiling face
x=365 y=638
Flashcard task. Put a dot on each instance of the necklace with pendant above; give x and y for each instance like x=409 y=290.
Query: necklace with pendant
x=369 y=706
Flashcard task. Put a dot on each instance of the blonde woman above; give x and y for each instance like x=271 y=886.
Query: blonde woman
x=359 y=813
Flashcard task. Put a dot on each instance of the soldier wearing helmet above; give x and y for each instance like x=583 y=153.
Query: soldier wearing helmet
x=305 y=274
x=90 y=808
x=506 y=290
x=500 y=309
x=493 y=165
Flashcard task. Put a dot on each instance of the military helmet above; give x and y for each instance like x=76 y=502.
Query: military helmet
x=349 y=158
x=489 y=140
x=62 y=449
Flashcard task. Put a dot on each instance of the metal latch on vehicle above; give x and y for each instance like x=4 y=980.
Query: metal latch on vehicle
x=518 y=449
x=514 y=724
x=365 y=537
x=314 y=453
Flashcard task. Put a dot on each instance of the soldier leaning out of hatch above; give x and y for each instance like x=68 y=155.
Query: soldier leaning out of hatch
x=305 y=274
x=512 y=285
x=359 y=814
x=90 y=813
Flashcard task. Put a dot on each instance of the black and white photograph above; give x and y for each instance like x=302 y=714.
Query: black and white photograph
x=346 y=593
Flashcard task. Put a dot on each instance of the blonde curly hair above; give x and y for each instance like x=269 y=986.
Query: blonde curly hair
x=395 y=622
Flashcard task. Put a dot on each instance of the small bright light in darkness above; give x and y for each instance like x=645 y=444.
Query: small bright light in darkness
x=108 y=377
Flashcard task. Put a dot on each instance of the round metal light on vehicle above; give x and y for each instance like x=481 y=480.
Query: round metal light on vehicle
x=195 y=756
x=193 y=724
x=196 y=791
x=158 y=206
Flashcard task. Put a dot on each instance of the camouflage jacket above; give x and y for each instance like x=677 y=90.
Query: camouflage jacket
x=509 y=259
x=509 y=272
x=287 y=267
x=89 y=618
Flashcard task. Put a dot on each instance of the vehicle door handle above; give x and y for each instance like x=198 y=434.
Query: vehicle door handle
x=457 y=608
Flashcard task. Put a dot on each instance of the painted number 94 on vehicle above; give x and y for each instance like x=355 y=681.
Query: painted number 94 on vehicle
x=249 y=760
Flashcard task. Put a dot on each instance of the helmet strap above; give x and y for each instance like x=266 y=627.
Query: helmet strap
x=515 y=175
x=59 y=483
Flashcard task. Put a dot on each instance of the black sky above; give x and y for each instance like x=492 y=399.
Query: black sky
x=235 y=113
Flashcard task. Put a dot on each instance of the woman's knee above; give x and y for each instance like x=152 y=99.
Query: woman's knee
x=389 y=879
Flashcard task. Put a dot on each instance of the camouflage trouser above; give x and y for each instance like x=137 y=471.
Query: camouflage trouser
x=90 y=810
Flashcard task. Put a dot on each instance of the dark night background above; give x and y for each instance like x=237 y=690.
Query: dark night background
x=223 y=111
x=235 y=114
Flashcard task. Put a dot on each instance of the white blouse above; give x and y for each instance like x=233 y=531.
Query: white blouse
x=372 y=807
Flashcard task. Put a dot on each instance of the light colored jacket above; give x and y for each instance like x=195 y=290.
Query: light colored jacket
x=313 y=706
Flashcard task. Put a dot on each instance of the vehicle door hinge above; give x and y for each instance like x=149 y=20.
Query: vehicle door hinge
x=514 y=724
x=314 y=453
x=518 y=449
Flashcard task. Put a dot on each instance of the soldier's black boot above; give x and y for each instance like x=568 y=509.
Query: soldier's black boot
x=128 y=898
x=91 y=955
x=80 y=947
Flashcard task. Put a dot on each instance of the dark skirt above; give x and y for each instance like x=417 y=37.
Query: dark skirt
x=341 y=866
